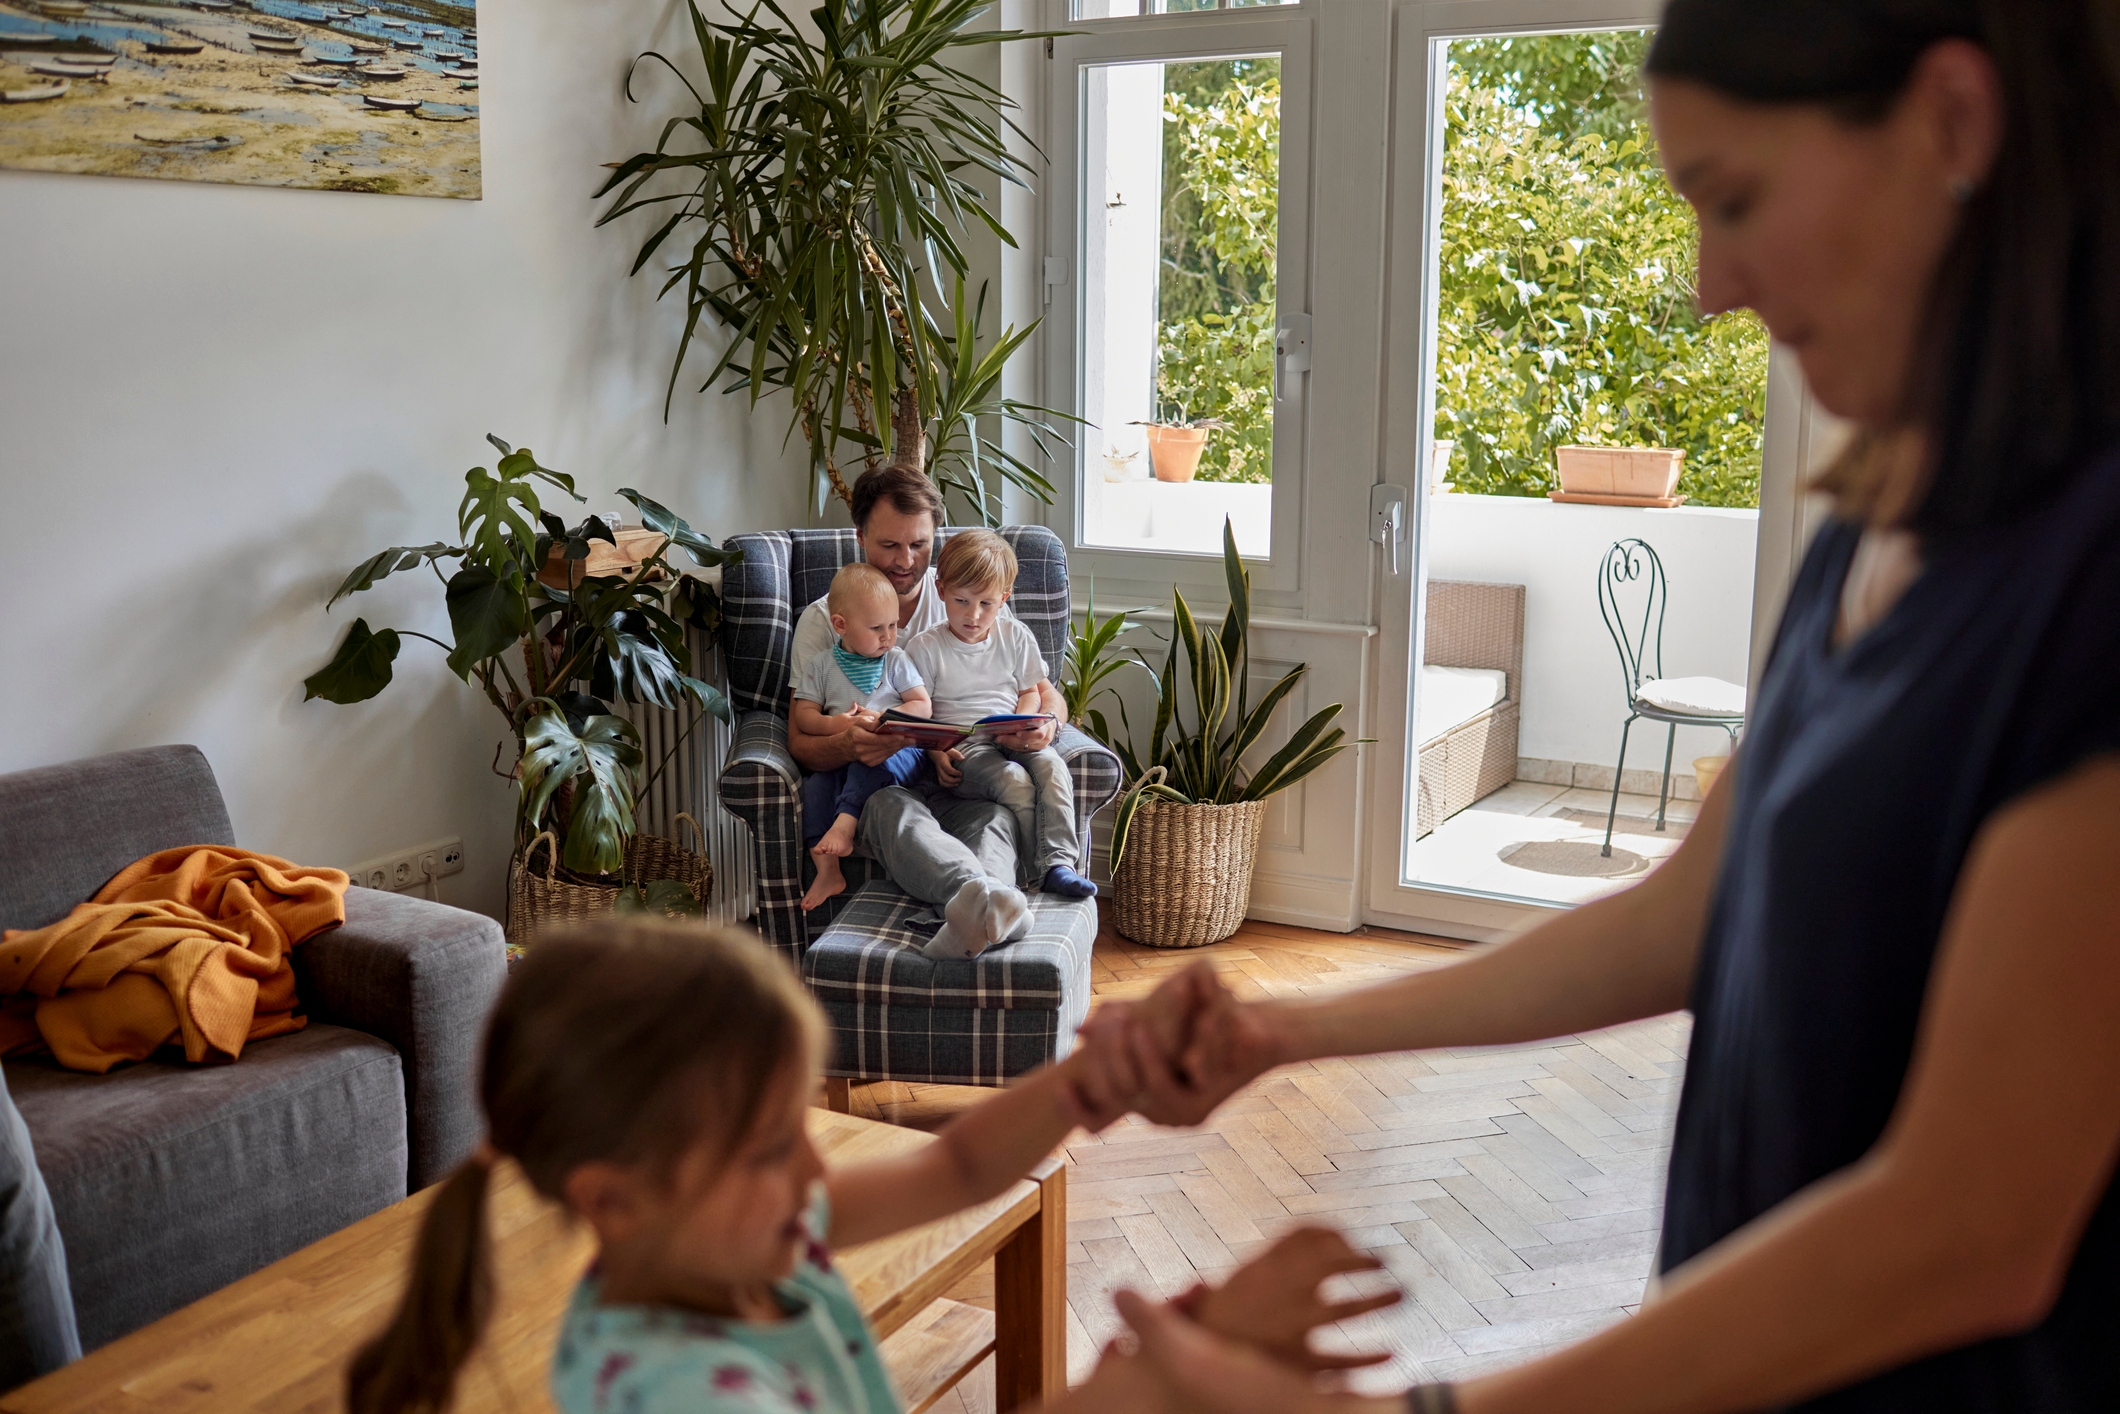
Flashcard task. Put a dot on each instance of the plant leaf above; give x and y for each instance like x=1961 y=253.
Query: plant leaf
x=666 y=898
x=389 y=562
x=598 y=761
x=488 y=615
x=359 y=670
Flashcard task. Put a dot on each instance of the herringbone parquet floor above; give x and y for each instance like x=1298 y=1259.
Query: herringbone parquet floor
x=1514 y=1193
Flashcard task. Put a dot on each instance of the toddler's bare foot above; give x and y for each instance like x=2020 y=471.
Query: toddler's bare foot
x=829 y=881
x=838 y=841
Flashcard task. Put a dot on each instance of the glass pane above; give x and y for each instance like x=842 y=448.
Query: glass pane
x=1182 y=181
x=1566 y=319
x=1106 y=9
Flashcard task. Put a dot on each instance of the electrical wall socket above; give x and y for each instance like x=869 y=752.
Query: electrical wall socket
x=411 y=868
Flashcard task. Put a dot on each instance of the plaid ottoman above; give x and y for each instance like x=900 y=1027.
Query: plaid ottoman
x=895 y=1015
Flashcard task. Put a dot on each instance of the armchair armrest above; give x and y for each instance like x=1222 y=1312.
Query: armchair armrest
x=759 y=786
x=422 y=977
x=1095 y=770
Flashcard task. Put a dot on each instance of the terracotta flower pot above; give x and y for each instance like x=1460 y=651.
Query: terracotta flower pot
x=1174 y=452
x=1705 y=771
x=1650 y=473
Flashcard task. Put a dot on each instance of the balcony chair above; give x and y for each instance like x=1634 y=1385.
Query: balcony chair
x=1632 y=574
x=896 y=1015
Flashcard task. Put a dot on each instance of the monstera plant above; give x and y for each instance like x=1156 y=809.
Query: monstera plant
x=551 y=645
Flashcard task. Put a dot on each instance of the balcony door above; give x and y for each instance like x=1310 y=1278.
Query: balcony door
x=1540 y=297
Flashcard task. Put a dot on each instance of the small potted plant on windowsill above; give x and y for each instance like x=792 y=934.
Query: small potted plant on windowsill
x=1175 y=444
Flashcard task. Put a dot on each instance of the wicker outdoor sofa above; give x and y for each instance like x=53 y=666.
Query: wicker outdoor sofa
x=1467 y=757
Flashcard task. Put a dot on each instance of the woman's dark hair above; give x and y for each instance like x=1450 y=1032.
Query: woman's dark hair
x=907 y=489
x=628 y=1042
x=2017 y=380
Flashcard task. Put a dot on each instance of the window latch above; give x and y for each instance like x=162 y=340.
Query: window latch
x=1055 y=274
x=1291 y=351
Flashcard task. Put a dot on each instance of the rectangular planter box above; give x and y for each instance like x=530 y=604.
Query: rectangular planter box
x=1647 y=472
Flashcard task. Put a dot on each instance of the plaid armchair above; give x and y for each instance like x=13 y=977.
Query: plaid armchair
x=781 y=573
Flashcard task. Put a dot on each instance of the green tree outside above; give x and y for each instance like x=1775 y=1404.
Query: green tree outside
x=1215 y=292
x=1567 y=309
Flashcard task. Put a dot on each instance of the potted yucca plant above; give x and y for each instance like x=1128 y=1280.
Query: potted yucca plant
x=1186 y=832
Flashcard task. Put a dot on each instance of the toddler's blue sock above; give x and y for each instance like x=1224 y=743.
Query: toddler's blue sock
x=1067 y=883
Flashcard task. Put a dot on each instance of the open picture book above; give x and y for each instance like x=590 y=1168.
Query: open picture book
x=941 y=736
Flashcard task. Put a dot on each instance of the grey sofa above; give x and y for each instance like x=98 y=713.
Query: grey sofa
x=894 y=1014
x=171 y=1180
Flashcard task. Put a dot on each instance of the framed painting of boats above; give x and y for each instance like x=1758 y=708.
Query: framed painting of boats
x=341 y=97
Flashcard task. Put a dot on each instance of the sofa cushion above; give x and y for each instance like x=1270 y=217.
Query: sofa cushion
x=172 y=1180
x=898 y=1015
x=65 y=830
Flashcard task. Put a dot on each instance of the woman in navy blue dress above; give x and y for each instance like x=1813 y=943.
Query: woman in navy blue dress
x=1897 y=921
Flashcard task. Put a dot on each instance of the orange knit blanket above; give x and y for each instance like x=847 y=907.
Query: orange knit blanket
x=193 y=943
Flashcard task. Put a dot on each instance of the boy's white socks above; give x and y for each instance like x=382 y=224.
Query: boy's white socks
x=981 y=914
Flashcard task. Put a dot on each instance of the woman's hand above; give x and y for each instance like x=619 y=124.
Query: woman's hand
x=1200 y=1370
x=1272 y=1302
x=1176 y=1054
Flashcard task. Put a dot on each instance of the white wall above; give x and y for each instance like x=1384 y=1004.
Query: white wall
x=1574 y=695
x=214 y=399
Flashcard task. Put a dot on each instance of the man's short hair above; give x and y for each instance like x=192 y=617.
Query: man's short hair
x=976 y=559
x=909 y=492
x=858 y=586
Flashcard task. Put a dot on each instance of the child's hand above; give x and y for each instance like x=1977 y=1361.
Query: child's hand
x=1272 y=1303
x=947 y=769
x=864 y=718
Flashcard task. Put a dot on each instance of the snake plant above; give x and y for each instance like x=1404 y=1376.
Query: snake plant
x=1201 y=762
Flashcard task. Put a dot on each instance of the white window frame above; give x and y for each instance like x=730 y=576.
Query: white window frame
x=1420 y=76
x=1193 y=36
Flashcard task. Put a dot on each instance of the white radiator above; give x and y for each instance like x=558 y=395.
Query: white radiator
x=691 y=785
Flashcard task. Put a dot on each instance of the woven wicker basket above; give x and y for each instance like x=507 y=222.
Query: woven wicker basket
x=1185 y=880
x=537 y=900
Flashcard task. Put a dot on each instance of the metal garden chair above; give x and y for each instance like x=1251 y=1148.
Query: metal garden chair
x=1632 y=573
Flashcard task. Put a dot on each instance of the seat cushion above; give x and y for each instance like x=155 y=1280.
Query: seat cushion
x=172 y=1180
x=1698 y=697
x=1450 y=697
x=897 y=1015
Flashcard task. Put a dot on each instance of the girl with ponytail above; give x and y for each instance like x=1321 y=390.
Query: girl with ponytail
x=654 y=1079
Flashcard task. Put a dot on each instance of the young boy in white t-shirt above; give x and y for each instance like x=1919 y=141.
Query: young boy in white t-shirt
x=982 y=663
x=849 y=684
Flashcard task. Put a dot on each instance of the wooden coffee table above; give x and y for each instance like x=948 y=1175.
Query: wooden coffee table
x=278 y=1340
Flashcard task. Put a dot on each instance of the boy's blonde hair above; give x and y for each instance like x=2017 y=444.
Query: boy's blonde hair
x=857 y=586
x=976 y=559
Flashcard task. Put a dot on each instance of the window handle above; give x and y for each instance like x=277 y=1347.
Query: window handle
x=1387 y=520
x=1291 y=351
